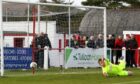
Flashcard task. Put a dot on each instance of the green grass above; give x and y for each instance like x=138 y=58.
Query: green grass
x=70 y=76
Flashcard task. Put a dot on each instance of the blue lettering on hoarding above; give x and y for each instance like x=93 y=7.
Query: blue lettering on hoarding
x=17 y=58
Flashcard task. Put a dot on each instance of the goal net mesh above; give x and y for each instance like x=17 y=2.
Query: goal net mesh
x=24 y=23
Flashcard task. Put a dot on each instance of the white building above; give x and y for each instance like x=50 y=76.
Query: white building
x=15 y=33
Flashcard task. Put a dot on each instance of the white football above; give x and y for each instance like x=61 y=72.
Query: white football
x=33 y=65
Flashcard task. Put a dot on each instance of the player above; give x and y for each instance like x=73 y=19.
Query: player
x=110 y=69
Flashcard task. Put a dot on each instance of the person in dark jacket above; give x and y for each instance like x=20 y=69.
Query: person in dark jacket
x=41 y=50
x=133 y=47
x=100 y=41
x=91 y=42
x=127 y=46
x=47 y=41
x=111 y=44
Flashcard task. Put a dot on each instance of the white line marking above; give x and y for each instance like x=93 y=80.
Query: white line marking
x=53 y=73
x=130 y=82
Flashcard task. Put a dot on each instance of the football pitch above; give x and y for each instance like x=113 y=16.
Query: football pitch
x=70 y=76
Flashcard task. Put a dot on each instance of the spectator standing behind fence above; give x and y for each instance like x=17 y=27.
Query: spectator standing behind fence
x=83 y=42
x=111 y=44
x=77 y=36
x=100 y=41
x=132 y=46
x=41 y=50
x=127 y=46
x=47 y=41
x=91 y=42
x=118 y=45
x=36 y=48
x=74 y=42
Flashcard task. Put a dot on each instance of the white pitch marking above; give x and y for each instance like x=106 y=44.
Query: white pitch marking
x=130 y=82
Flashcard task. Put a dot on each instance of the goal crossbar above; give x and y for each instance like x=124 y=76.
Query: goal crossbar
x=52 y=4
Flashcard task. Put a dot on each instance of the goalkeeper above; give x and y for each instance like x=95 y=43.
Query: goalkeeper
x=110 y=69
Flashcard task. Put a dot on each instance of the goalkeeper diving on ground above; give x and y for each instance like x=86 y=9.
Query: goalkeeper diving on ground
x=110 y=69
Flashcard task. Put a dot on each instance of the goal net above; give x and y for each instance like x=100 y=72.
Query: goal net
x=29 y=27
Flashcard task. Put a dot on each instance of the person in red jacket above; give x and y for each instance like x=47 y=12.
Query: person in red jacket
x=118 y=45
x=82 y=41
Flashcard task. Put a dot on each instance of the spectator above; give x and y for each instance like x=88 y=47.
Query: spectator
x=91 y=42
x=118 y=45
x=74 y=42
x=110 y=41
x=42 y=40
x=47 y=41
x=99 y=41
x=128 y=55
x=83 y=41
x=41 y=50
x=111 y=44
x=133 y=45
x=77 y=36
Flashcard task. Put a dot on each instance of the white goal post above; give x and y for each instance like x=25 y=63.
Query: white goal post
x=50 y=4
x=1 y=41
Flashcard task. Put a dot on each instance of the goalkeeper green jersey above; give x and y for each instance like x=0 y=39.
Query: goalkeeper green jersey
x=114 y=70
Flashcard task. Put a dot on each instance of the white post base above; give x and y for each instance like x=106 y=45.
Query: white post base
x=46 y=54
